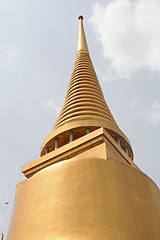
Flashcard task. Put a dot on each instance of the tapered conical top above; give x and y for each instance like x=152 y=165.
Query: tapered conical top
x=82 y=43
x=85 y=106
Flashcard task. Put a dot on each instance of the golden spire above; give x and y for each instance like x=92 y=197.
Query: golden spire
x=85 y=106
x=82 y=43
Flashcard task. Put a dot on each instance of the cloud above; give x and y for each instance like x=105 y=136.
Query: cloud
x=153 y=114
x=51 y=104
x=134 y=105
x=130 y=34
x=11 y=55
x=32 y=76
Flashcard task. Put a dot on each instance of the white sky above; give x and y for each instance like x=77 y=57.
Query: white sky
x=38 y=40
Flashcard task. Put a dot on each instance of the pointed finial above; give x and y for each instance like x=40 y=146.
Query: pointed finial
x=80 y=17
x=82 y=44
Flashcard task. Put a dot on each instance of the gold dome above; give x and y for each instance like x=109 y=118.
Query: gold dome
x=84 y=105
x=87 y=198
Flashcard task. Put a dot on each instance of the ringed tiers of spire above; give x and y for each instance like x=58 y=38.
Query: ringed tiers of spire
x=85 y=106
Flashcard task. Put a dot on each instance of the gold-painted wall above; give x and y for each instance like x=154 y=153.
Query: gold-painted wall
x=87 y=198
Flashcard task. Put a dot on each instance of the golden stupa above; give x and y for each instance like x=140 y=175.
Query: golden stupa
x=85 y=184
